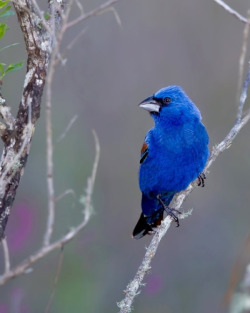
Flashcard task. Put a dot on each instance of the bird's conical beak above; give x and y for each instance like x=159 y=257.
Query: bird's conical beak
x=150 y=105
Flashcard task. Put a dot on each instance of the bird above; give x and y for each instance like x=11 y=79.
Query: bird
x=174 y=154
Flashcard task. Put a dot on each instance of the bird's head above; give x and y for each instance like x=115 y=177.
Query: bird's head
x=171 y=104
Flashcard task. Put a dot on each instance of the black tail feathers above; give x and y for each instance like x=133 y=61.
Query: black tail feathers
x=142 y=228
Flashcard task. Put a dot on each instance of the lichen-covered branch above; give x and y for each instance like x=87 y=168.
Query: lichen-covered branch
x=19 y=131
x=102 y=8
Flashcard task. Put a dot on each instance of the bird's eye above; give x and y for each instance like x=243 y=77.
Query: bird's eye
x=167 y=100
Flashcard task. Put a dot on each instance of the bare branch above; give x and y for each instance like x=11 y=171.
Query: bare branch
x=76 y=39
x=243 y=95
x=78 y=3
x=59 y=268
x=71 y=122
x=116 y=15
x=65 y=193
x=91 y=181
x=62 y=56
x=6 y=255
x=236 y=272
x=241 y=300
x=133 y=287
x=44 y=250
x=242 y=59
x=94 y=12
x=49 y=150
x=232 y=11
x=49 y=139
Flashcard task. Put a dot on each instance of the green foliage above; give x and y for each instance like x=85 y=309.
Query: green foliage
x=2 y=69
x=3 y=3
x=10 y=68
x=3 y=28
x=5 y=11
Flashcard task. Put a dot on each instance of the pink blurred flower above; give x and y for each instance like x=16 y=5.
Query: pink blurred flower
x=20 y=226
x=3 y=308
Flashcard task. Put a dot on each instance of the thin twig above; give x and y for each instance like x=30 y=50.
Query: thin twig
x=91 y=180
x=44 y=250
x=50 y=177
x=133 y=287
x=49 y=141
x=6 y=255
x=49 y=136
x=240 y=302
x=246 y=283
x=242 y=60
x=94 y=12
x=75 y=40
x=10 y=46
x=116 y=15
x=231 y=11
x=236 y=272
x=61 y=57
x=243 y=95
x=59 y=268
x=78 y=3
x=71 y=122
x=65 y=193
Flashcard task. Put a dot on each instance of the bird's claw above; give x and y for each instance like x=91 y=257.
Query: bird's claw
x=201 y=180
x=170 y=212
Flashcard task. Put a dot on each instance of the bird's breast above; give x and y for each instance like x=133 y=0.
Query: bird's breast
x=175 y=158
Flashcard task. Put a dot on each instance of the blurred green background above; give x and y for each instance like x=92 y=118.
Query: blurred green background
x=192 y=43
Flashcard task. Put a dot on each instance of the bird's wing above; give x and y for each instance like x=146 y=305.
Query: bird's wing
x=144 y=152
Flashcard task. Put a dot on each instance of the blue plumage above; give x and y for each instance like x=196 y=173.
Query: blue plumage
x=174 y=154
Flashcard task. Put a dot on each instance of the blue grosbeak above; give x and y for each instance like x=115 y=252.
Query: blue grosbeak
x=174 y=153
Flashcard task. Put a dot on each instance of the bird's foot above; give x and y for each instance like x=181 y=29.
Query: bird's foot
x=169 y=211
x=201 y=180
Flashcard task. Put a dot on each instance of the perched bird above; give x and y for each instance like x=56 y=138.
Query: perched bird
x=174 y=153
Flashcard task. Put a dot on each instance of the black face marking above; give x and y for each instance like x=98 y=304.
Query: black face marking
x=163 y=101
